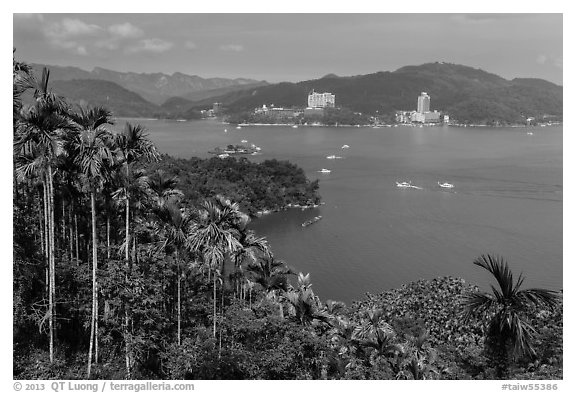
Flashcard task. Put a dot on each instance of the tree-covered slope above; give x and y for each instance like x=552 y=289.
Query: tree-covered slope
x=466 y=93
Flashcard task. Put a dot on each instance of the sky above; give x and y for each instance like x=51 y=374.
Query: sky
x=293 y=47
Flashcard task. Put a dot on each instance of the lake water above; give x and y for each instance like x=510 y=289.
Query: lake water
x=374 y=236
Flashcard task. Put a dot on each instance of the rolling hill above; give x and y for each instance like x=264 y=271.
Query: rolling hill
x=466 y=93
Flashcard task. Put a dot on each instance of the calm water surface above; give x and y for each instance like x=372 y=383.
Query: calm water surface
x=375 y=236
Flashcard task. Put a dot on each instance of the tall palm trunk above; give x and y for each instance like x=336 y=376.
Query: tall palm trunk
x=214 y=295
x=52 y=291
x=127 y=338
x=108 y=237
x=71 y=233
x=93 y=334
x=179 y=297
x=76 y=235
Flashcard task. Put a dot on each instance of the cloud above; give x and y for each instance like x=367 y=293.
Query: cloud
x=190 y=45
x=541 y=59
x=558 y=62
x=555 y=61
x=68 y=28
x=125 y=30
x=151 y=45
x=232 y=48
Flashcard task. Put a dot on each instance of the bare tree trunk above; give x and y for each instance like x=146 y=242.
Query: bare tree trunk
x=94 y=283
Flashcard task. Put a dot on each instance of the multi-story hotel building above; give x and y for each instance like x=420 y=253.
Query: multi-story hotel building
x=321 y=100
x=423 y=103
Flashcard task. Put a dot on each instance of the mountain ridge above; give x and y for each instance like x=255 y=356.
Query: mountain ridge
x=155 y=87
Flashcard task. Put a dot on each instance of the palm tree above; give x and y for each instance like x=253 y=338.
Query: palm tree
x=270 y=273
x=163 y=188
x=507 y=308
x=305 y=306
x=91 y=151
x=37 y=144
x=213 y=235
x=176 y=227
x=132 y=145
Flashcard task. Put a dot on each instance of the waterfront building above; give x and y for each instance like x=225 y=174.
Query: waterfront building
x=321 y=100
x=423 y=103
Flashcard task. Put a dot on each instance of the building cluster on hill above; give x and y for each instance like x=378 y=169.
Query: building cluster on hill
x=317 y=103
x=422 y=114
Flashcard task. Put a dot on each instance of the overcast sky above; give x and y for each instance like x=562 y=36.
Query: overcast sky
x=292 y=47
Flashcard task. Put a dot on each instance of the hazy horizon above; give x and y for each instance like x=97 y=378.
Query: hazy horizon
x=292 y=47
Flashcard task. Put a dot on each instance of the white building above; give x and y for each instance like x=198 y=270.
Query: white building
x=321 y=100
x=423 y=103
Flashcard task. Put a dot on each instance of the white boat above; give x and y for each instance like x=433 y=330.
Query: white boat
x=529 y=133
x=332 y=157
x=407 y=185
x=324 y=170
x=294 y=126
x=446 y=185
x=238 y=128
x=225 y=155
x=345 y=147
x=244 y=141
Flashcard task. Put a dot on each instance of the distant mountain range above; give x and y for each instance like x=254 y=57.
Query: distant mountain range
x=465 y=93
x=155 y=87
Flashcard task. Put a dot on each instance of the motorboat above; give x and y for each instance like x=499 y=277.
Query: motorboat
x=345 y=147
x=446 y=185
x=407 y=185
x=238 y=128
x=324 y=170
x=294 y=126
x=225 y=155
x=332 y=157
x=244 y=141
x=529 y=133
x=312 y=221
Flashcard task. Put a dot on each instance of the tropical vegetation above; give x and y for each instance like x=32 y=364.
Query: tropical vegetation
x=123 y=271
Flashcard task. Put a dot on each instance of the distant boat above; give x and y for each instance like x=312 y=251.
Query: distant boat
x=529 y=133
x=446 y=185
x=180 y=120
x=244 y=141
x=294 y=126
x=331 y=157
x=238 y=128
x=345 y=147
x=312 y=221
x=324 y=170
x=225 y=155
x=225 y=130
x=407 y=185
